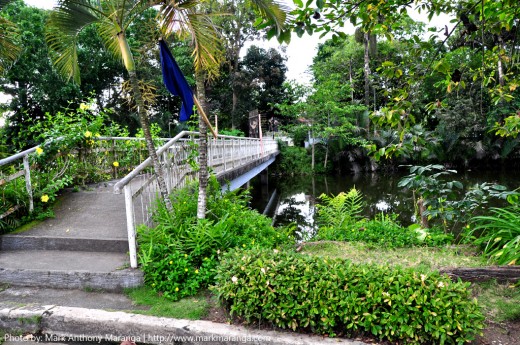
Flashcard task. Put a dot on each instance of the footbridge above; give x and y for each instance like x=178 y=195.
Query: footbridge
x=91 y=241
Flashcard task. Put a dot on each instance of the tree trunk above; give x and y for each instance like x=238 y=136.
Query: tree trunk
x=500 y=66
x=143 y=118
x=478 y=274
x=366 y=41
x=203 y=149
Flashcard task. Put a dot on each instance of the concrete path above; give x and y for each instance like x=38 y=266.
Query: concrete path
x=72 y=325
x=84 y=246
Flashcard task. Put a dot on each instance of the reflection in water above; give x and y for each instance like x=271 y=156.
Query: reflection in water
x=298 y=195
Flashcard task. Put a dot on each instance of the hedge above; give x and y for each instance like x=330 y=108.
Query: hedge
x=337 y=297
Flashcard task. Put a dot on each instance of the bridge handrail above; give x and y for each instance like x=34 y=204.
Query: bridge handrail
x=118 y=187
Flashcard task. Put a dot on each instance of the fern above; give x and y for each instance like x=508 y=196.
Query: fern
x=341 y=210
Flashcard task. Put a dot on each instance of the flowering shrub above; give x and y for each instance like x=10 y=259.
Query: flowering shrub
x=336 y=297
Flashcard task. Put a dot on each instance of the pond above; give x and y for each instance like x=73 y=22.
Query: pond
x=295 y=197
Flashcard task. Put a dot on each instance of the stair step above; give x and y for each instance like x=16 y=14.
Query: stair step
x=23 y=242
x=68 y=270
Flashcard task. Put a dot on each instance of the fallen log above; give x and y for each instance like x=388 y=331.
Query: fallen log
x=501 y=274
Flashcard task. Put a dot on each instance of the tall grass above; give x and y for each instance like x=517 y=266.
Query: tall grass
x=498 y=234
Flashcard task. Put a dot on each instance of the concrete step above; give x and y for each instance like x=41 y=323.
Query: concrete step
x=68 y=270
x=31 y=296
x=33 y=242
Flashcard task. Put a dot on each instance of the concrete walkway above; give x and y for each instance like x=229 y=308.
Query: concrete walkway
x=84 y=246
x=73 y=325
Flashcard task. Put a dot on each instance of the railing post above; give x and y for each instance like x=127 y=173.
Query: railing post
x=28 y=186
x=130 y=226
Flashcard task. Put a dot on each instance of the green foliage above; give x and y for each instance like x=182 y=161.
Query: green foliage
x=233 y=132
x=179 y=255
x=293 y=160
x=332 y=296
x=339 y=219
x=498 y=234
x=341 y=210
x=444 y=199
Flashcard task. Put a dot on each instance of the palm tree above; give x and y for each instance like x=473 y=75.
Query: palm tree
x=9 y=50
x=113 y=18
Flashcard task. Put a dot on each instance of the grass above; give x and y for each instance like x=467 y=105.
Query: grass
x=192 y=308
x=499 y=302
x=421 y=258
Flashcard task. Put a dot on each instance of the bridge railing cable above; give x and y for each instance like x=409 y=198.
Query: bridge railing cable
x=179 y=158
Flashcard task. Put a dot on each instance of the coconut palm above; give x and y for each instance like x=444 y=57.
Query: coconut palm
x=9 y=50
x=113 y=18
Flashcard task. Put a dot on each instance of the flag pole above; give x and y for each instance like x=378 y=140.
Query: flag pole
x=204 y=117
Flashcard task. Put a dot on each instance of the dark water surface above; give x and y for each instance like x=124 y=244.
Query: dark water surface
x=296 y=196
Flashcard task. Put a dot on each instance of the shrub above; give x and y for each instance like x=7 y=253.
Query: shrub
x=179 y=234
x=339 y=220
x=337 y=297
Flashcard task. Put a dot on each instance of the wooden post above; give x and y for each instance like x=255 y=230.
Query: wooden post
x=204 y=117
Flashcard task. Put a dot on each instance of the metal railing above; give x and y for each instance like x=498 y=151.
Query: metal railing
x=179 y=160
x=98 y=159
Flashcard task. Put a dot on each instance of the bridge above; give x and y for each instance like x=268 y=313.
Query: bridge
x=91 y=242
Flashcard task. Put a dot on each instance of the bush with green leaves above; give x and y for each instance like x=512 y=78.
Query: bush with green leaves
x=498 y=233
x=339 y=219
x=230 y=223
x=336 y=297
x=446 y=200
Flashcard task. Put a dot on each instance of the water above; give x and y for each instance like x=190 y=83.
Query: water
x=297 y=196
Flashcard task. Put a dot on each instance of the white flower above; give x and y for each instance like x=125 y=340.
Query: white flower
x=263 y=270
x=275 y=251
x=423 y=277
x=441 y=285
x=234 y=279
x=386 y=294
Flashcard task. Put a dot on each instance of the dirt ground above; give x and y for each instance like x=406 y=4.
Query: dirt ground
x=507 y=333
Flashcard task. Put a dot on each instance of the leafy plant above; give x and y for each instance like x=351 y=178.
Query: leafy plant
x=498 y=234
x=197 y=244
x=436 y=198
x=341 y=210
x=332 y=296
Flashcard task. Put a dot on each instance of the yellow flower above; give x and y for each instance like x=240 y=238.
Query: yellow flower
x=196 y=271
x=44 y=198
x=176 y=289
x=88 y=134
x=185 y=270
x=171 y=262
x=116 y=164
x=39 y=150
x=84 y=106
x=97 y=135
x=185 y=255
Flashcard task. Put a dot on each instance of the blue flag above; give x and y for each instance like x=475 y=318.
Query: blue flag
x=175 y=82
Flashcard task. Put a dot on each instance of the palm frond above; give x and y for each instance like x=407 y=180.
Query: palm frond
x=274 y=11
x=9 y=50
x=65 y=23
x=183 y=19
